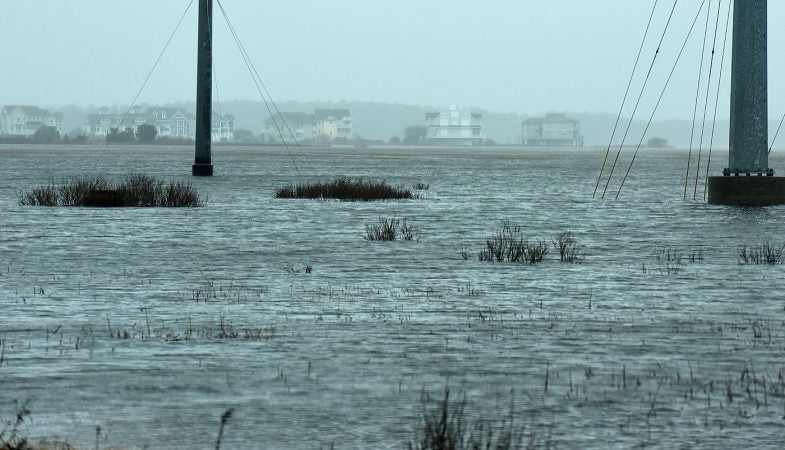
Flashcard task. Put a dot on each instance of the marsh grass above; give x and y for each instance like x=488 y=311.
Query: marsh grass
x=568 y=248
x=345 y=189
x=135 y=190
x=765 y=253
x=390 y=230
x=445 y=426
x=509 y=245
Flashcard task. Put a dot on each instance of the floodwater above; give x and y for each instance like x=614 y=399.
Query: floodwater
x=150 y=323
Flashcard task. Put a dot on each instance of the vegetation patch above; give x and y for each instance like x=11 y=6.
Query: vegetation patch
x=765 y=253
x=390 y=230
x=135 y=190
x=509 y=245
x=568 y=248
x=345 y=189
x=445 y=426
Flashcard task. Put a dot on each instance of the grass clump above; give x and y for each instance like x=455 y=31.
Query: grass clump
x=509 y=245
x=390 y=230
x=444 y=426
x=345 y=189
x=765 y=253
x=135 y=190
x=568 y=248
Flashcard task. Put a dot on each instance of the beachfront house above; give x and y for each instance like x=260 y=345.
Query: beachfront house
x=24 y=120
x=553 y=130
x=454 y=126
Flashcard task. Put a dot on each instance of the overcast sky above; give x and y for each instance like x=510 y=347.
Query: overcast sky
x=522 y=56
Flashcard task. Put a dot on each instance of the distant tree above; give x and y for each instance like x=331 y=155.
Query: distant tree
x=414 y=134
x=395 y=140
x=120 y=137
x=243 y=135
x=657 y=142
x=146 y=133
x=46 y=135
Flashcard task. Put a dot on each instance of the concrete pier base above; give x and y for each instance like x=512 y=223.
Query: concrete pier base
x=744 y=190
x=202 y=170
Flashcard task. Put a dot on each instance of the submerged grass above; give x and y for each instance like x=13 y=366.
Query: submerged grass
x=345 y=189
x=135 y=190
x=445 y=426
x=390 y=230
x=509 y=245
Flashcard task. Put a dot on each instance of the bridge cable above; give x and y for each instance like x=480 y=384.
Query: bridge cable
x=662 y=94
x=640 y=96
x=262 y=89
x=147 y=78
x=717 y=97
x=624 y=100
x=776 y=134
x=697 y=101
x=706 y=104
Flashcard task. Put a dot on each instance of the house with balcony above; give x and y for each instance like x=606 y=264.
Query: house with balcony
x=553 y=130
x=333 y=123
x=25 y=120
x=170 y=122
x=454 y=126
x=291 y=126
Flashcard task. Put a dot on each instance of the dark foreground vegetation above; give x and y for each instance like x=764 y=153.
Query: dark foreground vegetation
x=135 y=190
x=345 y=189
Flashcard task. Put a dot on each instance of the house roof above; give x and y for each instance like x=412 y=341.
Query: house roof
x=291 y=118
x=322 y=114
x=549 y=118
x=28 y=110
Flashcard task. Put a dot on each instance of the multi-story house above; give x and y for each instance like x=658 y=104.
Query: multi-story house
x=222 y=127
x=553 y=130
x=23 y=120
x=454 y=126
x=292 y=126
x=333 y=123
x=169 y=122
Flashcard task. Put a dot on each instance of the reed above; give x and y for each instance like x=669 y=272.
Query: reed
x=391 y=230
x=444 y=426
x=567 y=247
x=765 y=253
x=509 y=245
x=345 y=189
x=135 y=190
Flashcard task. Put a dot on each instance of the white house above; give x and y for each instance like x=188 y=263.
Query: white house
x=293 y=126
x=454 y=126
x=553 y=130
x=168 y=121
x=23 y=120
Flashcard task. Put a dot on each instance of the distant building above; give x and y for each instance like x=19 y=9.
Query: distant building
x=333 y=123
x=323 y=124
x=168 y=121
x=553 y=130
x=222 y=127
x=293 y=126
x=23 y=120
x=454 y=126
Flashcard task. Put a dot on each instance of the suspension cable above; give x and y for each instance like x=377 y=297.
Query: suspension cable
x=717 y=97
x=261 y=87
x=706 y=104
x=147 y=78
x=624 y=100
x=662 y=94
x=640 y=96
x=776 y=134
x=695 y=108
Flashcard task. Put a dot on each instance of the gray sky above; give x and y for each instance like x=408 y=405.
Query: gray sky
x=523 y=56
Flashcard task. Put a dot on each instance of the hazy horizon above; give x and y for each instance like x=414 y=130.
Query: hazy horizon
x=525 y=57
